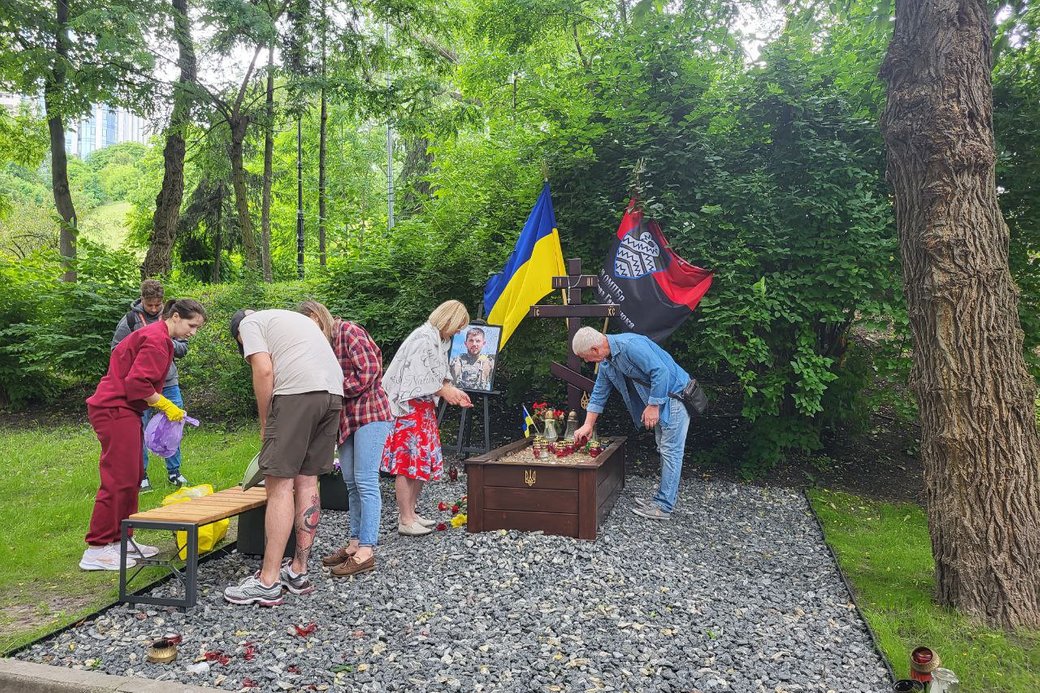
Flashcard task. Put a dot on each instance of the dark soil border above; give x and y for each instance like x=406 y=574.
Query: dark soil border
x=848 y=586
x=223 y=551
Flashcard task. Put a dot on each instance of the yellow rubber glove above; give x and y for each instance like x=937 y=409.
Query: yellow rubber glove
x=172 y=411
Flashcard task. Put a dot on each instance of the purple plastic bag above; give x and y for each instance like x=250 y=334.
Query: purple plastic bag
x=163 y=436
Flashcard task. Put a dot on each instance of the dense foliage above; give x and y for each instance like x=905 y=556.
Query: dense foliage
x=55 y=335
x=767 y=169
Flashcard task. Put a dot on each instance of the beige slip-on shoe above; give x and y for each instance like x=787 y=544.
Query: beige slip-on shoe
x=413 y=530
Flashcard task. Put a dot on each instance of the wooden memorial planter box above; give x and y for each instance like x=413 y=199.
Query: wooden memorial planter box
x=566 y=498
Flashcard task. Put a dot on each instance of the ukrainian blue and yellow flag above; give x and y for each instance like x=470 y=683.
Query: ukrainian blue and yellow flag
x=528 y=273
x=528 y=422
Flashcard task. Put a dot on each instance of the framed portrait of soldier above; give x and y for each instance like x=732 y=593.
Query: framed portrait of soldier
x=474 y=352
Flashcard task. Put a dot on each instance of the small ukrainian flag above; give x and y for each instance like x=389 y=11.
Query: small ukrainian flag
x=528 y=422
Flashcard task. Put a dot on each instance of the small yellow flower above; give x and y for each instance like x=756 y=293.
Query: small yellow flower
x=458 y=520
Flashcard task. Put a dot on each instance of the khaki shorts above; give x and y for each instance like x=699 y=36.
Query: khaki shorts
x=300 y=437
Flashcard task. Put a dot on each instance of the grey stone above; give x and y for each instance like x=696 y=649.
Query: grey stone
x=704 y=602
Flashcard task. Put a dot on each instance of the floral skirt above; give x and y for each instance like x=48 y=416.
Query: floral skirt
x=414 y=446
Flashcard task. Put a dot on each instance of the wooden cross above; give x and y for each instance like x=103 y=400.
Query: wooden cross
x=573 y=310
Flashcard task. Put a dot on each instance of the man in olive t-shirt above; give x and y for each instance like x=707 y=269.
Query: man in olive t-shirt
x=298 y=384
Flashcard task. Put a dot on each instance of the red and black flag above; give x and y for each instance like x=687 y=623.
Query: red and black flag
x=656 y=289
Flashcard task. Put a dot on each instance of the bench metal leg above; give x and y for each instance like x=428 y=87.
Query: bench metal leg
x=188 y=576
x=192 y=568
x=123 y=532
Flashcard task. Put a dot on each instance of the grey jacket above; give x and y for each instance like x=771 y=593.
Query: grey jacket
x=180 y=346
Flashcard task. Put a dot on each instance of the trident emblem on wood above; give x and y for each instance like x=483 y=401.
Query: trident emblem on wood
x=530 y=476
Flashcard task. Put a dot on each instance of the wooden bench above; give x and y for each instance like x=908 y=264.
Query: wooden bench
x=187 y=517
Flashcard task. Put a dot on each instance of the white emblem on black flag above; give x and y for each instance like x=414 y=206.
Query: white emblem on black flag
x=637 y=258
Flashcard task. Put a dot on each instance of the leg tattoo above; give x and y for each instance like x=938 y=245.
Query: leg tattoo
x=306 y=528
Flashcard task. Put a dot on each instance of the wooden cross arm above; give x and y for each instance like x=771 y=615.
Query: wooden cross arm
x=571 y=377
x=590 y=310
x=583 y=281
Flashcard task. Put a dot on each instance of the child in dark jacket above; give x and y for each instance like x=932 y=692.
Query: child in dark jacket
x=147 y=310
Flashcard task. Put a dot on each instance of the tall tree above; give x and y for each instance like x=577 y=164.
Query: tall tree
x=265 y=200
x=323 y=137
x=168 y=201
x=77 y=54
x=53 y=88
x=302 y=22
x=299 y=197
x=247 y=25
x=238 y=118
x=979 y=441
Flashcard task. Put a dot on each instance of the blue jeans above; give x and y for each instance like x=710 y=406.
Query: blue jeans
x=671 y=442
x=173 y=464
x=359 y=457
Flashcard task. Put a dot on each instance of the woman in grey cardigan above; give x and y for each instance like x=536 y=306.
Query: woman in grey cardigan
x=416 y=379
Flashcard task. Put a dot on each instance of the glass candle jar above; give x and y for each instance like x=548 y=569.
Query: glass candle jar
x=550 y=430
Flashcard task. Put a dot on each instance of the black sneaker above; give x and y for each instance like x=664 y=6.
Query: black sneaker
x=301 y=584
x=178 y=480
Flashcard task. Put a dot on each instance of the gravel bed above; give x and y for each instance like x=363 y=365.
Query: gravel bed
x=736 y=593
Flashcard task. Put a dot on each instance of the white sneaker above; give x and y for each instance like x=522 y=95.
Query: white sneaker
x=135 y=549
x=103 y=558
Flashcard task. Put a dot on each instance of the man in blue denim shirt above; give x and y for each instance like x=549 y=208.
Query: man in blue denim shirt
x=623 y=359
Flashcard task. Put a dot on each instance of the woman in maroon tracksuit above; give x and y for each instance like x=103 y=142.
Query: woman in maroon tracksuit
x=134 y=381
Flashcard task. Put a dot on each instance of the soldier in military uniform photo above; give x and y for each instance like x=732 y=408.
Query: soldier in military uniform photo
x=473 y=370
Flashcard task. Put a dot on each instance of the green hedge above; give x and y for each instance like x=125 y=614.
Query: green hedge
x=56 y=335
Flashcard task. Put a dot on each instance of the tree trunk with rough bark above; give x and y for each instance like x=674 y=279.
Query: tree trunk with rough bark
x=168 y=202
x=979 y=442
x=239 y=124
x=265 y=204
x=59 y=160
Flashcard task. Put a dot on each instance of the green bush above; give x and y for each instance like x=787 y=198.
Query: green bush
x=216 y=381
x=55 y=335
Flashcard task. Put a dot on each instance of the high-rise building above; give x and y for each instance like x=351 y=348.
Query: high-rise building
x=101 y=127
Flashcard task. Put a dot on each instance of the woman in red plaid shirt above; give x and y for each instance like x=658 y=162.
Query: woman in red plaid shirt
x=364 y=424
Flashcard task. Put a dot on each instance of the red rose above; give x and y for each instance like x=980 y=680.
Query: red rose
x=441 y=526
x=442 y=506
x=455 y=508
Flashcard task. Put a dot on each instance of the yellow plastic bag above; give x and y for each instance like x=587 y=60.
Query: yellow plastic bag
x=209 y=534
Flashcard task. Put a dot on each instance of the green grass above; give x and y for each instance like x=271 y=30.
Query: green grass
x=50 y=477
x=106 y=225
x=885 y=551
